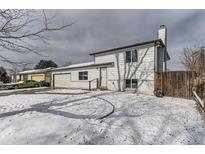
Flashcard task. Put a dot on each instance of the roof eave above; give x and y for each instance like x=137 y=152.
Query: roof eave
x=88 y=66
x=123 y=47
x=37 y=72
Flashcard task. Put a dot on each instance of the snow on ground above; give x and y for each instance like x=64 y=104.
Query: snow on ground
x=64 y=91
x=74 y=119
x=19 y=90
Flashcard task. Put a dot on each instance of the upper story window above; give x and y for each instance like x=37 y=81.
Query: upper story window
x=131 y=56
x=128 y=56
x=134 y=56
x=83 y=75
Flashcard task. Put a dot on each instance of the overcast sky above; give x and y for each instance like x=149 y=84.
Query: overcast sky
x=95 y=30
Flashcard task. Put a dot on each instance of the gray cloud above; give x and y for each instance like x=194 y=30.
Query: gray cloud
x=95 y=30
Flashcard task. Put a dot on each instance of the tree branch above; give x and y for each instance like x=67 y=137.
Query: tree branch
x=16 y=31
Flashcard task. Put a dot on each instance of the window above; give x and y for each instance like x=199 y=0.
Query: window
x=134 y=56
x=25 y=77
x=131 y=83
x=134 y=83
x=128 y=83
x=83 y=75
x=128 y=56
x=131 y=56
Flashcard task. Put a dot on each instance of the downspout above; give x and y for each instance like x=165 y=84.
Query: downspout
x=165 y=59
x=157 y=68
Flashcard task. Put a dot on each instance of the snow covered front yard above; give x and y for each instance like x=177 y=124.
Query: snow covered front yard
x=102 y=117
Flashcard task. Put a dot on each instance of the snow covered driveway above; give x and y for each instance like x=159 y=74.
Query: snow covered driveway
x=81 y=119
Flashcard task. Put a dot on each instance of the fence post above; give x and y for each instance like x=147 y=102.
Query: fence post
x=204 y=102
x=89 y=85
x=162 y=82
x=97 y=83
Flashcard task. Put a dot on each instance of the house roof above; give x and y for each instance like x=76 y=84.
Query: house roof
x=36 y=71
x=82 y=65
x=128 y=46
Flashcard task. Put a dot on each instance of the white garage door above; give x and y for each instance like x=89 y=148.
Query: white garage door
x=62 y=80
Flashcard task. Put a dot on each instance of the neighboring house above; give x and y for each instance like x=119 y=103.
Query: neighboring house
x=36 y=75
x=129 y=67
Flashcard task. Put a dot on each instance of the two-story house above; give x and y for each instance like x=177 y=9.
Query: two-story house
x=129 y=67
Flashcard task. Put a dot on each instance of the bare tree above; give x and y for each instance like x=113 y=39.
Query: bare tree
x=190 y=59
x=17 y=68
x=17 y=30
x=25 y=66
x=14 y=70
x=193 y=59
x=67 y=63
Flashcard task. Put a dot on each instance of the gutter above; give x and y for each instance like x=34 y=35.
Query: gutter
x=111 y=64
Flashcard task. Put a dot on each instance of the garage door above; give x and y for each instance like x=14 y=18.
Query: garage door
x=62 y=80
x=37 y=78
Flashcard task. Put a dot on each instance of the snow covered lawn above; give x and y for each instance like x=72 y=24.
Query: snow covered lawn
x=20 y=90
x=65 y=91
x=89 y=119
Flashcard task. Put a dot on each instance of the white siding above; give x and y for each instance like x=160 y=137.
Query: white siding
x=93 y=73
x=143 y=70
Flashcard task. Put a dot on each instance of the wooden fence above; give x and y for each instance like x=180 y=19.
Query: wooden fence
x=175 y=83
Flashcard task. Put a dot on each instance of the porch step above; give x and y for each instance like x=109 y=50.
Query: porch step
x=102 y=88
x=97 y=89
x=131 y=90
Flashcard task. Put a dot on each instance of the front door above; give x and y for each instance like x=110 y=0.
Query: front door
x=103 y=77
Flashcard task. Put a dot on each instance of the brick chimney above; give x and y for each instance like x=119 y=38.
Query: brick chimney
x=162 y=34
